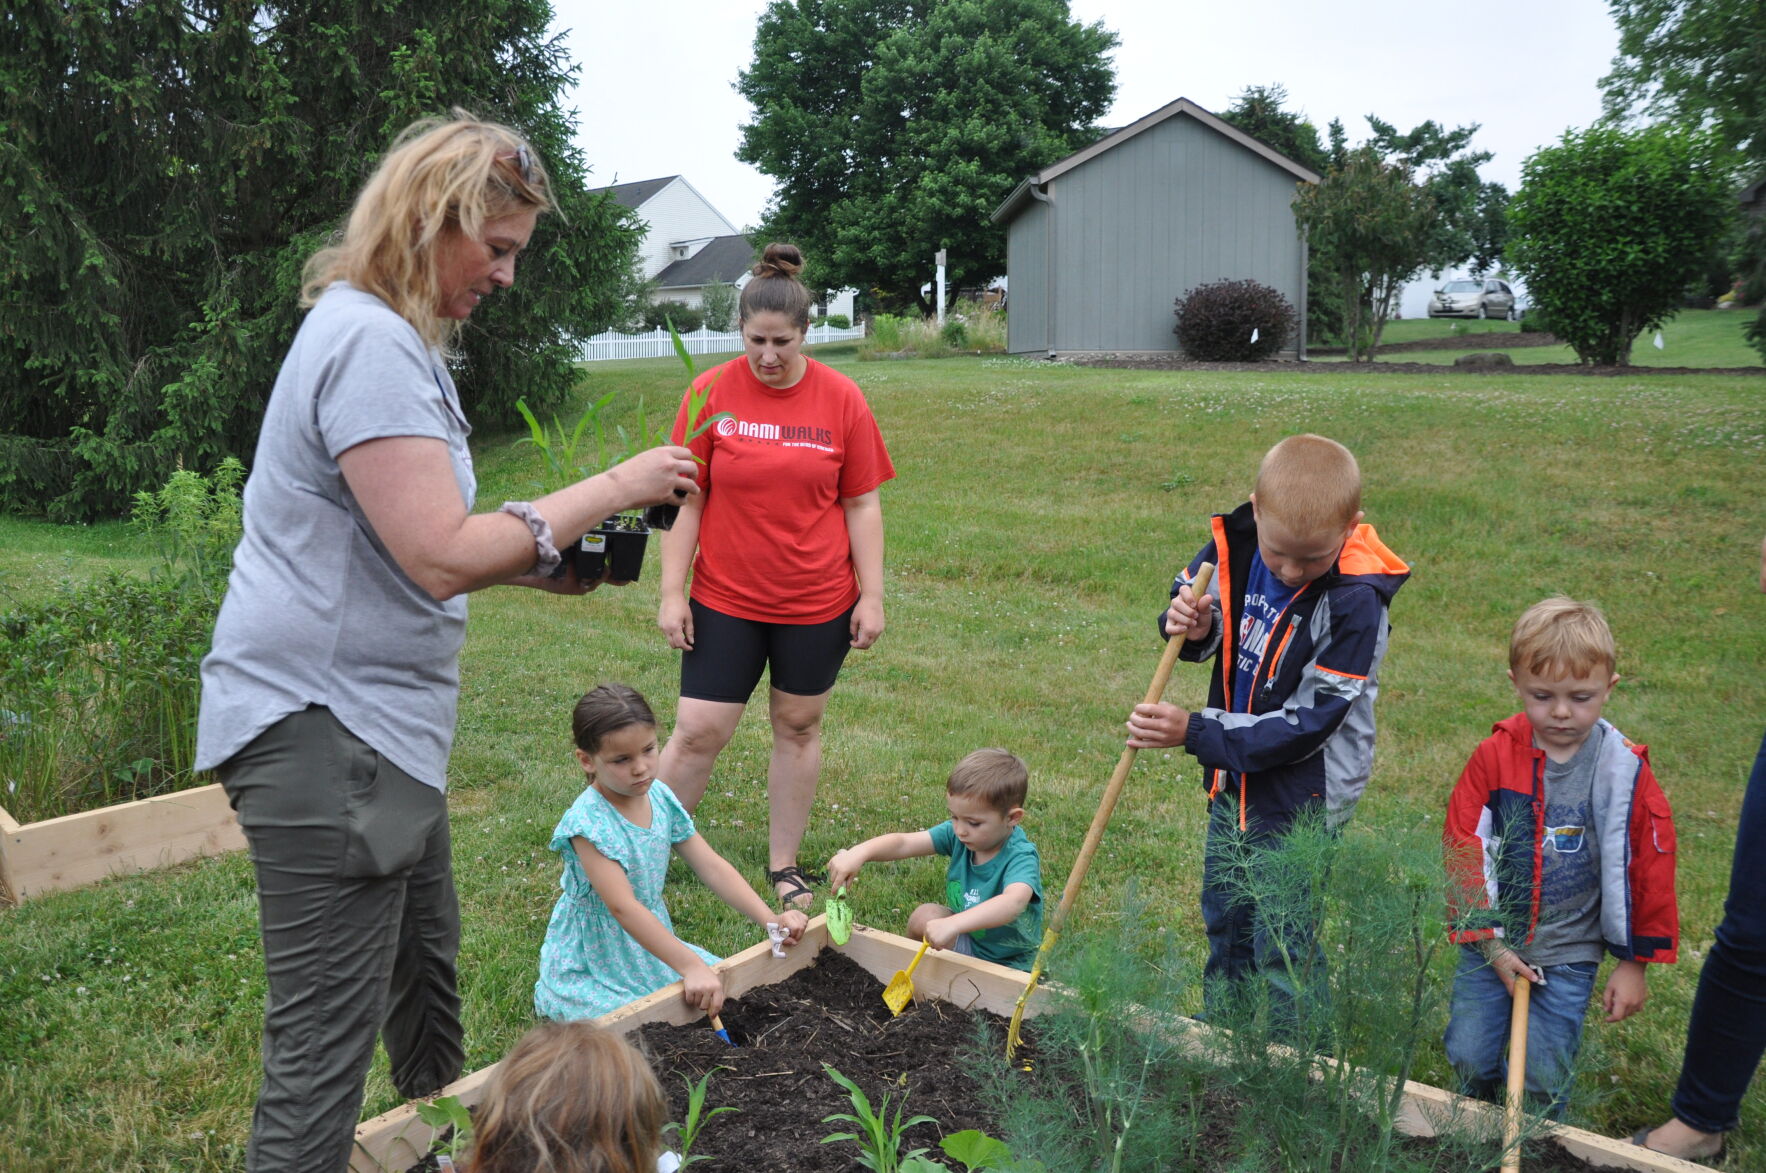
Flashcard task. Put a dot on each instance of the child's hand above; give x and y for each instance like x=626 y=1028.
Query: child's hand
x=1189 y=617
x=1159 y=726
x=703 y=989
x=941 y=933
x=1509 y=966
x=1626 y=992
x=793 y=921
x=843 y=868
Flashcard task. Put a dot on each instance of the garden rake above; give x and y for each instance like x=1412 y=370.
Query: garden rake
x=1106 y=806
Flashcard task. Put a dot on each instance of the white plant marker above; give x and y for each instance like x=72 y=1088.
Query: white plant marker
x=777 y=934
x=1658 y=340
x=1253 y=333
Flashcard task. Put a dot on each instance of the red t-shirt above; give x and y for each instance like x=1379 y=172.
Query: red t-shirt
x=772 y=538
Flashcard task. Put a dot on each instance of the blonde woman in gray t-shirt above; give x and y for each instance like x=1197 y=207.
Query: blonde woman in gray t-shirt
x=329 y=697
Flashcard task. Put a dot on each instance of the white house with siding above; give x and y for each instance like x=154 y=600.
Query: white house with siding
x=688 y=244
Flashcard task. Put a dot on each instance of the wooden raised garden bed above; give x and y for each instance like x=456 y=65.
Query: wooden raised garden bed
x=394 y=1141
x=78 y=849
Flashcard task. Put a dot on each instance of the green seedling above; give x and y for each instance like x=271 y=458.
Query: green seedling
x=697 y=1118
x=560 y=446
x=697 y=398
x=975 y=1150
x=879 y=1136
x=448 y=1112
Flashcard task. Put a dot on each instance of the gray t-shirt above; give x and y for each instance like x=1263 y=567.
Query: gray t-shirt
x=317 y=612
x=1569 y=879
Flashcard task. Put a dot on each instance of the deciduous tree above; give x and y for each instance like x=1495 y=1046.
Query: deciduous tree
x=167 y=165
x=894 y=127
x=1610 y=225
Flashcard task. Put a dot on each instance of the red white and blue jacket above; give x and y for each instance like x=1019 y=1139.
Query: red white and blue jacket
x=1306 y=737
x=1494 y=842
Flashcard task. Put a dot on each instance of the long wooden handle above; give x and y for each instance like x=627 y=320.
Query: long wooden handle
x=1517 y=1077
x=1107 y=805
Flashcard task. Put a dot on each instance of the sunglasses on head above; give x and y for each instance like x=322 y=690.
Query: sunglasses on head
x=523 y=162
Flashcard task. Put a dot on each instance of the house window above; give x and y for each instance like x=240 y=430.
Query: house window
x=679 y=252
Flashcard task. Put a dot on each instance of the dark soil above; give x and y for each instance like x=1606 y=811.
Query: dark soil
x=1487 y=340
x=1173 y=362
x=833 y=1013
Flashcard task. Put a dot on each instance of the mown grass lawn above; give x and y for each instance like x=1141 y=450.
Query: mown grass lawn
x=1692 y=338
x=1039 y=513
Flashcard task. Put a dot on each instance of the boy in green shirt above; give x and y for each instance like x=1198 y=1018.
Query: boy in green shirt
x=994 y=881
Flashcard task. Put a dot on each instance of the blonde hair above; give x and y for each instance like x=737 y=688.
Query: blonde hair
x=996 y=777
x=1562 y=636
x=774 y=287
x=441 y=175
x=1310 y=484
x=570 y=1098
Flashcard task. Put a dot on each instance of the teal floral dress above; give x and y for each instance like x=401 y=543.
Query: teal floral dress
x=589 y=964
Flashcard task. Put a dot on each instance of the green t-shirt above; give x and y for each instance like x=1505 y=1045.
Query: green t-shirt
x=968 y=883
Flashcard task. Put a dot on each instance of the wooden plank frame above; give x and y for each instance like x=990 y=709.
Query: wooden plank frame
x=393 y=1141
x=74 y=850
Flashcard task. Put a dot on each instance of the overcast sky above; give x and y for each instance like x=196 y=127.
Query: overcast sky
x=656 y=93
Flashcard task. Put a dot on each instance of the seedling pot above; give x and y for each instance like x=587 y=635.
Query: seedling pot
x=661 y=516
x=625 y=547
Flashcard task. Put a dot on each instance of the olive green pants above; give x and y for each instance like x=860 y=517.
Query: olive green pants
x=360 y=927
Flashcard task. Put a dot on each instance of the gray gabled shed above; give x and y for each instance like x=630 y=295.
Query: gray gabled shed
x=1100 y=244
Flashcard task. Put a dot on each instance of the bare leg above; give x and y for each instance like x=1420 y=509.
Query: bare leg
x=702 y=729
x=791 y=775
x=923 y=916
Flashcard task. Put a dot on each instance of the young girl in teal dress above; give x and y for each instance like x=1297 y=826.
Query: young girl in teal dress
x=610 y=939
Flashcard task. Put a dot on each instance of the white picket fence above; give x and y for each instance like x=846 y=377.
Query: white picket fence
x=656 y=343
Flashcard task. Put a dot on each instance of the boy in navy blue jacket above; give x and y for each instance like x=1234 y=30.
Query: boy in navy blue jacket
x=1296 y=618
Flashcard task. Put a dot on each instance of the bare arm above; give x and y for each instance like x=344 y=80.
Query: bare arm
x=864 y=532
x=989 y=914
x=843 y=868
x=673 y=615
x=406 y=488
x=615 y=890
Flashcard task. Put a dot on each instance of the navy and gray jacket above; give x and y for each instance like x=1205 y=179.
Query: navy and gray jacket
x=1306 y=734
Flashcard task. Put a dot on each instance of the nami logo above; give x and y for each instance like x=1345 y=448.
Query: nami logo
x=751 y=430
x=726 y=426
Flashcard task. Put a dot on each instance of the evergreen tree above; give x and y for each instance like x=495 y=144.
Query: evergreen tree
x=166 y=168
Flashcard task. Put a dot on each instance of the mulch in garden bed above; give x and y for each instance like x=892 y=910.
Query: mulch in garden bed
x=833 y=1012
x=1173 y=362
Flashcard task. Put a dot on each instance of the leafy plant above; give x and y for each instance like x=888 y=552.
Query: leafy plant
x=449 y=1112
x=1233 y=321
x=719 y=302
x=838 y=321
x=697 y=1118
x=879 y=1136
x=975 y=1150
x=665 y=315
x=560 y=446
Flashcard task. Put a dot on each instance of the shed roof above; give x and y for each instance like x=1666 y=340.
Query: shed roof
x=635 y=195
x=1020 y=194
x=725 y=258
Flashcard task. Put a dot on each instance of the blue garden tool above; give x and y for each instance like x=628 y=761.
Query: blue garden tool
x=717 y=1028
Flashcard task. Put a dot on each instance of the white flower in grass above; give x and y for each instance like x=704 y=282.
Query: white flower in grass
x=81 y=991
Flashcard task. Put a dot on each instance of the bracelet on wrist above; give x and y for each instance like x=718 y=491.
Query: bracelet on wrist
x=546 y=556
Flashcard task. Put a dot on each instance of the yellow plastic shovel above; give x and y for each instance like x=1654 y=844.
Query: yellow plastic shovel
x=900 y=990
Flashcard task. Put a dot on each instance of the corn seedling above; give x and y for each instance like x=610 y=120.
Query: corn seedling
x=697 y=1117
x=879 y=1136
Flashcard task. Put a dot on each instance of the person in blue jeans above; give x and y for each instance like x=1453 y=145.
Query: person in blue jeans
x=1727 y=1033
x=1559 y=847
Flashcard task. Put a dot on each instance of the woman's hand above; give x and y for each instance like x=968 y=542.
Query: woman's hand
x=569 y=584
x=703 y=989
x=675 y=618
x=658 y=475
x=867 y=622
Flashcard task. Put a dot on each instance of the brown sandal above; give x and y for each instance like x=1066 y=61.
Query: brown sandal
x=799 y=882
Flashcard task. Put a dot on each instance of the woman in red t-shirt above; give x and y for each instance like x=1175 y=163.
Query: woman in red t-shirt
x=785 y=541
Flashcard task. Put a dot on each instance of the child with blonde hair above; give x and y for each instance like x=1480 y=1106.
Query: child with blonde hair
x=570 y=1098
x=610 y=938
x=1560 y=850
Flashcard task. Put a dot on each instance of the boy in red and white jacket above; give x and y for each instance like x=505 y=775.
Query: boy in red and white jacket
x=1560 y=849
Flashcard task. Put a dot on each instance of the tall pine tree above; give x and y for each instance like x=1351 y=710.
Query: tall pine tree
x=166 y=166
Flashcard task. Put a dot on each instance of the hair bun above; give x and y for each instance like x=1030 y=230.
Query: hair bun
x=780 y=260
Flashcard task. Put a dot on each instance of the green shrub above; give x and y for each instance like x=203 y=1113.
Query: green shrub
x=99 y=682
x=971 y=328
x=1233 y=321
x=954 y=334
x=719 y=304
x=838 y=321
x=686 y=318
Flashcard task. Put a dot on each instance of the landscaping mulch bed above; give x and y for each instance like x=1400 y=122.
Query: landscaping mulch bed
x=833 y=1012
